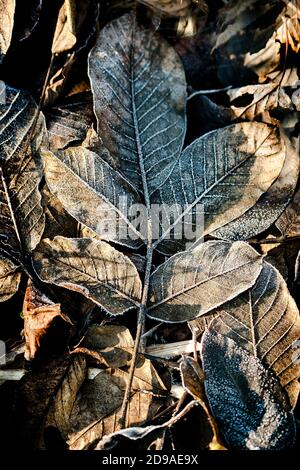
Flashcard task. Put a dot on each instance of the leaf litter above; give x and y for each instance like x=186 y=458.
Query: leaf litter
x=190 y=313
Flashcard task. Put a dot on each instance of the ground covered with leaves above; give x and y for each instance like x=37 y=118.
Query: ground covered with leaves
x=149 y=224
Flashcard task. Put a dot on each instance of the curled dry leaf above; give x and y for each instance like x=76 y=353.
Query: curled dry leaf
x=65 y=32
x=248 y=403
x=171 y=7
x=135 y=438
x=39 y=313
x=139 y=90
x=195 y=282
x=91 y=267
x=245 y=45
x=266 y=322
x=7 y=8
x=265 y=98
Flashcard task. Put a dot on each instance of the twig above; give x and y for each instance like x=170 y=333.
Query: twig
x=207 y=92
x=275 y=240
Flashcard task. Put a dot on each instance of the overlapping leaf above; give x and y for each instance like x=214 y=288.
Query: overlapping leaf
x=221 y=175
x=139 y=92
x=246 y=400
x=265 y=321
x=97 y=409
x=92 y=268
x=269 y=206
x=21 y=213
x=195 y=282
x=105 y=196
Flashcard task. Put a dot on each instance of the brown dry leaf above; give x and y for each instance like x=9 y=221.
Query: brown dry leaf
x=245 y=45
x=134 y=439
x=9 y=279
x=58 y=81
x=65 y=32
x=289 y=30
x=42 y=390
x=195 y=282
x=57 y=220
x=91 y=267
x=113 y=343
x=193 y=381
x=69 y=121
x=270 y=205
x=62 y=404
x=7 y=8
x=289 y=221
x=265 y=321
x=171 y=7
x=39 y=313
x=266 y=97
x=97 y=409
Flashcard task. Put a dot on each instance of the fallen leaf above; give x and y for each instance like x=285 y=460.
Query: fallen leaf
x=195 y=282
x=247 y=402
x=266 y=322
x=7 y=8
x=139 y=97
x=39 y=313
x=91 y=267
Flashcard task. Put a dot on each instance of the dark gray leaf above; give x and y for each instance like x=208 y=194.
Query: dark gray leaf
x=195 y=282
x=246 y=400
x=139 y=90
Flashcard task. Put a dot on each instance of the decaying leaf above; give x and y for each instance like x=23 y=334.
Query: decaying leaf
x=288 y=32
x=7 y=8
x=97 y=409
x=266 y=322
x=90 y=267
x=39 y=313
x=9 y=279
x=266 y=97
x=248 y=403
x=139 y=91
x=195 y=282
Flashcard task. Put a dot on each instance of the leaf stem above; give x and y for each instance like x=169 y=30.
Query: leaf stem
x=139 y=333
